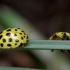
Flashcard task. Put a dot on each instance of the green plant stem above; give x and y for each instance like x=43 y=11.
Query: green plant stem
x=46 y=45
x=16 y=68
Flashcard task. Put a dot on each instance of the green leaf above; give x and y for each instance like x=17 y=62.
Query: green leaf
x=16 y=68
x=47 y=44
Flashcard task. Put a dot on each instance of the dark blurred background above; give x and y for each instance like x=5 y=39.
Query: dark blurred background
x=49 y=16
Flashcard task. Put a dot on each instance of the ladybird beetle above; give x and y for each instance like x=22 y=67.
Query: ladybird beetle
x=60 y=36
x=9 y=40
x=24 y=36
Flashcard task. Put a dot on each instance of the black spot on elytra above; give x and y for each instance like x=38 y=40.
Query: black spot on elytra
x=20 y=33
x=8 y=44
x=10 y=39
x=22 y=38
x=9 y=30
x=18 y=28
x=4 y=40
x=15 y=43
x=1 y=44
x=8 y=34
x=64 y=35
x=17 y=40
x=1 y=36
x=15 y=34
x=15 y=29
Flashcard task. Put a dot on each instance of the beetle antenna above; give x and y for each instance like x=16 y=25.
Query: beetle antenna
x=30 y=32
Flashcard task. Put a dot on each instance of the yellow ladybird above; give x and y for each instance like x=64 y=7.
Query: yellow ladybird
x=61 y=36
x=24 y=36
x=10 y=40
